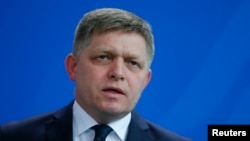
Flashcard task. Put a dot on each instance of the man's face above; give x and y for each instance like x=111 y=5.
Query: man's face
x=110 y=74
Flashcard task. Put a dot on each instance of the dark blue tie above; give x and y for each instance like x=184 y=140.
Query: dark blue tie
x=101 y=132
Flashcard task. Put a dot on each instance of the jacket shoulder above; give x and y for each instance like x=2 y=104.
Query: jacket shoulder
x=26 y=128
x=163 y=134
x=143 y=129
x=36 y=128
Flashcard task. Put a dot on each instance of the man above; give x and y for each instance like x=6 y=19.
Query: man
x=110 y=65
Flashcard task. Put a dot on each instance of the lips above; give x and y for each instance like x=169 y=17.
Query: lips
x=113 y=90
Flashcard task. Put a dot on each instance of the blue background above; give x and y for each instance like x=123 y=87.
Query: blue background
x=201 y=72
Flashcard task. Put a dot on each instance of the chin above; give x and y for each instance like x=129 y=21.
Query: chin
x=114 y=108
x=115 y=111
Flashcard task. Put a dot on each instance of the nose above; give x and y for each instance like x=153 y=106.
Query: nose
x=116 y=70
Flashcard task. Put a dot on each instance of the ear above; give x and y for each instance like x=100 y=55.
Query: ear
x=148 y=78
x=70 y=64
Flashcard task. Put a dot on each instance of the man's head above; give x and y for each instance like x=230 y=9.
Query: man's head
x=110 y=19
x=110 y=63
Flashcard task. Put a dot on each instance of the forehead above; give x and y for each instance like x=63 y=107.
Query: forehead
x=129 y=43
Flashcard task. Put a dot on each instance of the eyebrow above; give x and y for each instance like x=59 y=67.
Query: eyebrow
x=130 y=55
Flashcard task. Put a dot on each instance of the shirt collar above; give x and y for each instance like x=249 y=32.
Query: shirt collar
x=121 y=126
x=82 y=121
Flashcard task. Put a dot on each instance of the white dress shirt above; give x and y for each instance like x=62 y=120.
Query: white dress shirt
x=82 y=122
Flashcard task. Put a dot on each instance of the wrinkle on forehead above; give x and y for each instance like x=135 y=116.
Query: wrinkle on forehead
x=129 y=43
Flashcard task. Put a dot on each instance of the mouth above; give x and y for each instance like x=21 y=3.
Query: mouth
x=113 y=90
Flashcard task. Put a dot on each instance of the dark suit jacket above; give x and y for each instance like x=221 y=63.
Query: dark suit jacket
x=57 y=126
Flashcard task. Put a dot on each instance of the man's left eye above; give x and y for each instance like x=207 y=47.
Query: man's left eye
x=102 y=57
x=134 y=63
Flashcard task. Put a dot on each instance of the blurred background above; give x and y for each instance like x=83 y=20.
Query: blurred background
x=201 y=71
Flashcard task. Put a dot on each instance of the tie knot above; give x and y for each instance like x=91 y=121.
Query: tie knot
x=101 y=131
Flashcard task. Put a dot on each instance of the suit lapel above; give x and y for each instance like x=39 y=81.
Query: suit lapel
x=59 y=128
x=138 y=129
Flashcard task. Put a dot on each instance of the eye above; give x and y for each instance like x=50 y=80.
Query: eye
x=134 y=63
x=103 y=57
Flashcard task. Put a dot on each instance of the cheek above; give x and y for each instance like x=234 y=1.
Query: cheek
x=141 y=82
x=137 y=86
x=89 y=76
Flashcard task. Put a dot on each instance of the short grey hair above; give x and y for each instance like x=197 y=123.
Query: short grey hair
x=110 y=19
